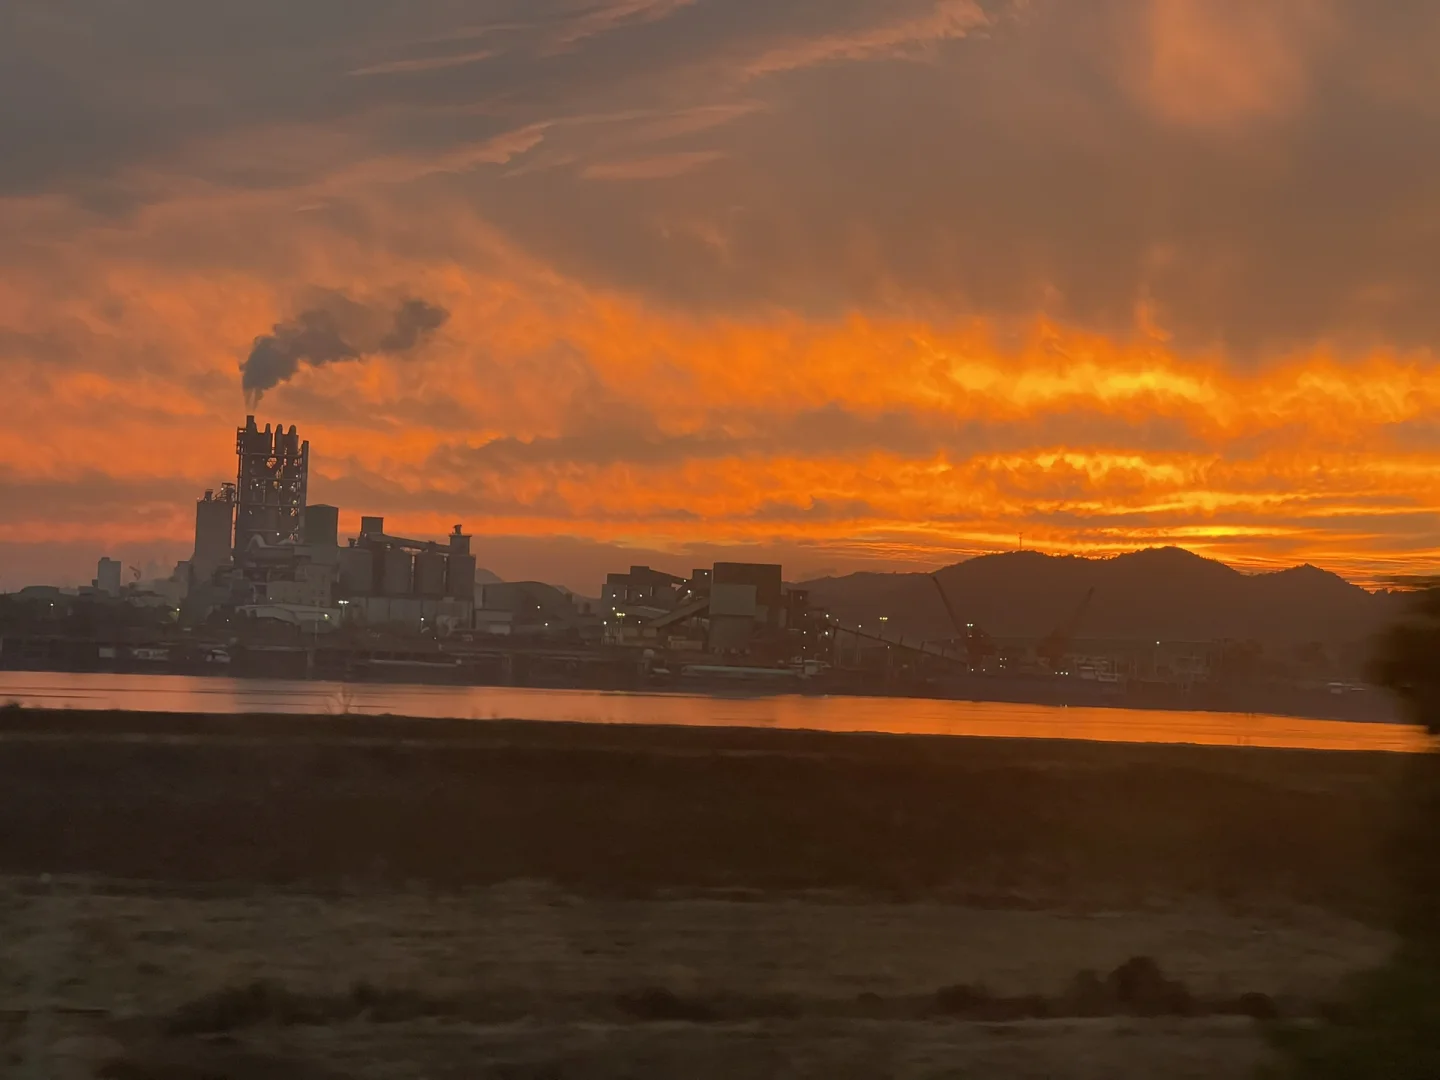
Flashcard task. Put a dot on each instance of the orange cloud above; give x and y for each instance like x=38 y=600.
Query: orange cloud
x=885 y=319
x=1213 y=63
x=551 y=407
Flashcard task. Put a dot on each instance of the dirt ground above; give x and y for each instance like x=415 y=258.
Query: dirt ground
x=536 y=902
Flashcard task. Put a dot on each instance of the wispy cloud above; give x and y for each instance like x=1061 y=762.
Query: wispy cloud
x=948 y=20
x=615 y=14
x=657 y=167
x=426 y=63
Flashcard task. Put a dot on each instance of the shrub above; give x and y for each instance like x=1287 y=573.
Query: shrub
x=1387 y=1026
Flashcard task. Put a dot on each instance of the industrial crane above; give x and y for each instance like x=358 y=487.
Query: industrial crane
x=1052 y=650
x=978 y=645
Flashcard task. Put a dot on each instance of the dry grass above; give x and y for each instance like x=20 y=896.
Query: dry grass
x=376 y=899
x=404 y=984
x=826 y=1050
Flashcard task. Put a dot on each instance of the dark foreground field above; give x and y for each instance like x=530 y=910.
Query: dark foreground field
x=372 y=897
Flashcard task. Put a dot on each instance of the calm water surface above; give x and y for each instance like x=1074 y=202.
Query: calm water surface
x=203 y=694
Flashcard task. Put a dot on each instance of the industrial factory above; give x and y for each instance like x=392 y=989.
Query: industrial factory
x=270 y=572
x=264 y=552
x=266 y=557
x=272 y=588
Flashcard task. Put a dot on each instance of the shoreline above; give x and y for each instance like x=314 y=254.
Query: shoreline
x=360 y=727
x=605 y=674
x=674 y=707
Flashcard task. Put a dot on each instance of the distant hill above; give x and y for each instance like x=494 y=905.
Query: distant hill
x=1163 y=593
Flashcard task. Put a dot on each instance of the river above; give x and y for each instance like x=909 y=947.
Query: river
x=919 y=716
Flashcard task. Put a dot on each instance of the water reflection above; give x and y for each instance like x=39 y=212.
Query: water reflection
x=179 y=693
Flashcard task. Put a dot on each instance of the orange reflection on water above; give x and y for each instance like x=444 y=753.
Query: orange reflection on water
x=899 y=716
x=1005 y=720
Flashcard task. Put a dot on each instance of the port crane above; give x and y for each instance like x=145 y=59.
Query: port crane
x=978 y=645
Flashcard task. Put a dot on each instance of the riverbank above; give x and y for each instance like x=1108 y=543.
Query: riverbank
x=611 y=670
x=354 y=896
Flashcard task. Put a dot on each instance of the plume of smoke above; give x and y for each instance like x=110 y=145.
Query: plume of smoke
x=414 y=321
x=335 y=330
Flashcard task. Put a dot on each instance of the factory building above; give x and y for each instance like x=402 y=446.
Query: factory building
x=744 y=598
x=107 y=577
x=411 y=585
x=732 y=609
x=643 y=587
x=320 y=526
x=534 y=609
x=273 y=563
x=262 y=550
x=308 y=583
x=270 y=482
x=214 y=532
x=256 y=541
x=630 y=600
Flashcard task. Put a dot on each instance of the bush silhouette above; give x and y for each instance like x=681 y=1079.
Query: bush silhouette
x=1387 y=1027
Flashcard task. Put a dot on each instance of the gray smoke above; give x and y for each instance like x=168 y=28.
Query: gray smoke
x=413 y=321
x=338 y=329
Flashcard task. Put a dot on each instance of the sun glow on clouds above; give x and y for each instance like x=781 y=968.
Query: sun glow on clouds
x=697 y=343
x=555 y=409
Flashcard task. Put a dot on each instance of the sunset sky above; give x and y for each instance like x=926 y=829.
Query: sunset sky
x=844 y=283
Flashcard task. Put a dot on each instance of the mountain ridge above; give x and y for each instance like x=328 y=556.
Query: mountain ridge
x=1166 y=593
